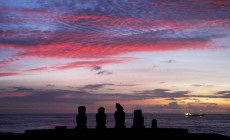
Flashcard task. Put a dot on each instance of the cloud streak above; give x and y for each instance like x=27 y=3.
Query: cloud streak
x=88 y=95
x=9 y=74
x=95 y=65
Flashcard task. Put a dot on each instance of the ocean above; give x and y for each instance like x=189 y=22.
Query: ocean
x=210 y=123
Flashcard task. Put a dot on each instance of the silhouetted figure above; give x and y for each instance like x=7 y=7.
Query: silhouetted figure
x=154 y=124
x=138 y=120
x=101 y=118
x=119 y=117
x=81 y=118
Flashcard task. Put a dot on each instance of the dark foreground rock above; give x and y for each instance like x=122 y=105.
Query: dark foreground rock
x=112 y=133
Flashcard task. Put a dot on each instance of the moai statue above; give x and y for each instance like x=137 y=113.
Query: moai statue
x=81 y=118
x=154 y=124
x=119 y=117
x=138 y=120
x=101 y=118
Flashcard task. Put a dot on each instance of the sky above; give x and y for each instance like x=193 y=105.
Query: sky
x=161 y=56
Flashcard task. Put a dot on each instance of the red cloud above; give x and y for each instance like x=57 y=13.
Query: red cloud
x=66 y=44
x=67 y=47
x=101 y=36
x=99 y=51
x=9 y=74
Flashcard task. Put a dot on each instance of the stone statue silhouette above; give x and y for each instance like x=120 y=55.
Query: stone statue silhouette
x=119 y=117
x=138 y=120
x=154 y=124
x=81 y=118
x=101 y=118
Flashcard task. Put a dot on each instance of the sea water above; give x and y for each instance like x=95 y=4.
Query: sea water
x=210 y=123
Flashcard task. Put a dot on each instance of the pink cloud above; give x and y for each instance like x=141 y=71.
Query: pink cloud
x=80 y=64
x=13 y=95
x=9 y=74
x=8 y=61
x=38 y=69
x=102 y=36
x=82 y=46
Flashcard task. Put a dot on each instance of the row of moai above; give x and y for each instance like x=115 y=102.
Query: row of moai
x=138 y=120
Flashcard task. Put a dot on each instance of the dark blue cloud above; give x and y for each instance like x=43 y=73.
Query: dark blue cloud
x=88 y=95
x=95 y=86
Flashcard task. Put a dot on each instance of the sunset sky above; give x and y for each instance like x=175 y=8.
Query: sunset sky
x=161 y=56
